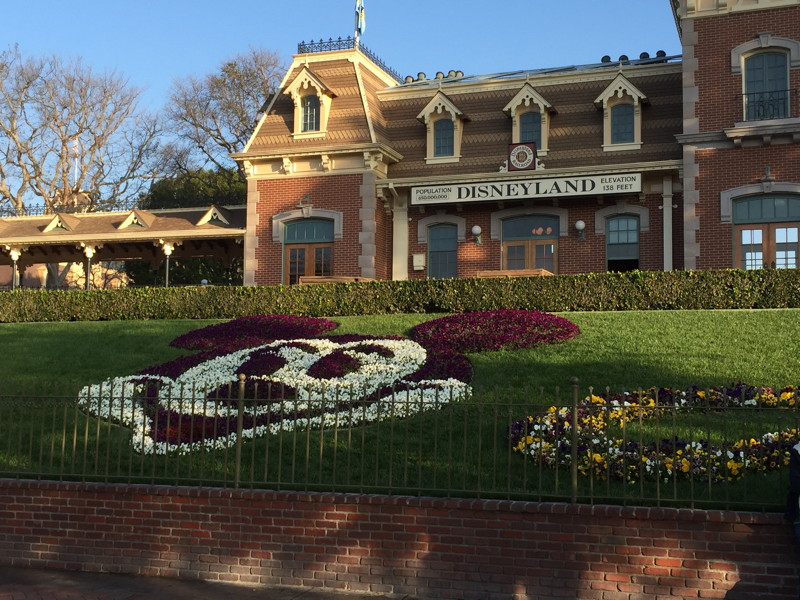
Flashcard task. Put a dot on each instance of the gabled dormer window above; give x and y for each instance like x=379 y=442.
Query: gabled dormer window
x=621 y=103
x=444 y=125
x=530 y=118
x=312 y=104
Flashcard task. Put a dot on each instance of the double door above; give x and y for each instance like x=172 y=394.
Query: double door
x=767 y=246
x=303 y=260
x=530 y=254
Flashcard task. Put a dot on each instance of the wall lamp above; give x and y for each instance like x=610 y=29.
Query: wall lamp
x=580 y=226
x=305 y=206
x=476 y=231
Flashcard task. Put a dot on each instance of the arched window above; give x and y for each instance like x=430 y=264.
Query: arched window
x=766 y=232
x=311 y=112
x=308 y=249
x=442 y=251
x=443 y=132
x=530 y=128
x=530 y=242
x=622 y=125
x=622 y=243
x=766 y=86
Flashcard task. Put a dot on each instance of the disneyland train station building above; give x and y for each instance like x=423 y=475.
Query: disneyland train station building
x=652 y=162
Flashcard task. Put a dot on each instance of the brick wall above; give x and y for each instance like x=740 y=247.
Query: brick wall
x=429 y=548
x=720 y=104
x=727 y=169
x=574 y=256
x=336 y=192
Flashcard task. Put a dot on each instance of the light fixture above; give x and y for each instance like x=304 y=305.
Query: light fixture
x=476 y=231
x=580 y=226
x=305 y=206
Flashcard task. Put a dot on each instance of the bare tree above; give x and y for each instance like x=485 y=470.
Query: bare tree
x=68 y=134
x=216 y=114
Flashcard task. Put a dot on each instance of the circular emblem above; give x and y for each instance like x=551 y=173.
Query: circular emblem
x=521 y=157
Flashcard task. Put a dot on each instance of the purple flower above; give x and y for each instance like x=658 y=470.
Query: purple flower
x=254 y=330
x=493 y=330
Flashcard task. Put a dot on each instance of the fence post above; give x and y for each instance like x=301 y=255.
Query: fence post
x=573 y=444
x=239 y=426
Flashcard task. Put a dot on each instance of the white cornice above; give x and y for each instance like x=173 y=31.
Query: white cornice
x=643 y=167
x=279 y=153
x=544 y=80
x=693 y=9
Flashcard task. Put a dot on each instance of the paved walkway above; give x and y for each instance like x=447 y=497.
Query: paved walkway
x=39 y=584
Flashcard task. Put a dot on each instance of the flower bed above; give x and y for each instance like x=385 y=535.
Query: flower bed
x=546 y=438
x=294 y=380
x=494 y=330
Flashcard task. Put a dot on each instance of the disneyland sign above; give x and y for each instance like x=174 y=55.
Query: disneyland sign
x=518 y=189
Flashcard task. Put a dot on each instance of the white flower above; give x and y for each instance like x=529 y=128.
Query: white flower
x=340 y=401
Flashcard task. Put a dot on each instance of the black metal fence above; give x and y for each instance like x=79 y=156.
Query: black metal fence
x=776 y=104
x=500 y=443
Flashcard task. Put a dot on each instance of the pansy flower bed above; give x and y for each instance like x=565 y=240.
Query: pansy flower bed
x=546 y=438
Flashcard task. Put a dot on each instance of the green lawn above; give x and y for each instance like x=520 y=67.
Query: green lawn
x=456 y=450
x=622 y=350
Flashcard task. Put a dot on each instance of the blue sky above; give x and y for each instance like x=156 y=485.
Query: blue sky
x=154 y=41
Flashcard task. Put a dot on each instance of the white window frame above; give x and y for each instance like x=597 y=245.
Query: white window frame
x=621 y=91
x=441 y=107
x=308 y=84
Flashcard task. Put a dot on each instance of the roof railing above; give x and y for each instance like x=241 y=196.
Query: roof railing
x=347 y=43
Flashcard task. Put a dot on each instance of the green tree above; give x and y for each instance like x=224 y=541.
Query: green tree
x=202 y=187
x=222 y=187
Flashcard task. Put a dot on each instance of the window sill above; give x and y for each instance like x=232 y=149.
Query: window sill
x=766 y=130
x=440 y=160
x=622 y=147
x=307 y=135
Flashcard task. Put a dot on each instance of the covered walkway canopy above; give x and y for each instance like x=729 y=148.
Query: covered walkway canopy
x=150 y=235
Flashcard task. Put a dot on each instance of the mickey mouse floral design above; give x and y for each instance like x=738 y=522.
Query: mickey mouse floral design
x=294 y=379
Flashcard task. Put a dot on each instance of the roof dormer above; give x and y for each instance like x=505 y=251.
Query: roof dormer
x=621 y=103
x=137 y=218
x=444 y=123
x=62 y=222
x=530 y=118
x=312 y=104
x=214 y=216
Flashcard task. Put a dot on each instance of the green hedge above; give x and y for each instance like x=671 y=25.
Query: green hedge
x=587 y=292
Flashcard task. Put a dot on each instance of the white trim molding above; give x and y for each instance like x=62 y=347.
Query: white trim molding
x=279 y=222
x=765 y=41
x=441 y=218
x=498 y=216
x=726 y=197
x=621 y=208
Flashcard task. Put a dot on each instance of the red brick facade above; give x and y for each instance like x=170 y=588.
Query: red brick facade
x=724 y=152
x=422 y=547
x=695 y=151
